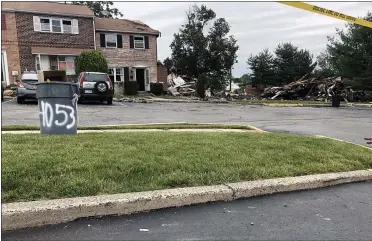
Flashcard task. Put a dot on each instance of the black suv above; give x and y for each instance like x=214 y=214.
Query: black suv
x=95 y=86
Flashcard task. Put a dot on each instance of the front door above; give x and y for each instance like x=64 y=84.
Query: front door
x=140 y=77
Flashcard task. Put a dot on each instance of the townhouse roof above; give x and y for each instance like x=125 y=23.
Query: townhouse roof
x=53 y=8
x=124 y=25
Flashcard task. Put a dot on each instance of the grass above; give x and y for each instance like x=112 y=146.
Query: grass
x=37 y=167
x=140 y=126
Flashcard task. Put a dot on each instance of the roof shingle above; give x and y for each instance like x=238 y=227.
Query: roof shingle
x=48 y=7
x=124 y=25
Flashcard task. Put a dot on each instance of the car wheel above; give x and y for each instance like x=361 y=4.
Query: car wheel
x=80 y=100
x=109 y=101
x=20 y=100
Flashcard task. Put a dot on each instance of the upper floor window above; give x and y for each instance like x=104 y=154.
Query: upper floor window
x=111 y=40
x=56 y=25
x=139 y=42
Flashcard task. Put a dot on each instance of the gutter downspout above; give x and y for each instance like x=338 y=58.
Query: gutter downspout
x=94 y=35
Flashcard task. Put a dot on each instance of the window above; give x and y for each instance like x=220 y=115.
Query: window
x=111 y=41
x=139 y=42
x=55 y=25
x=66 y=63
x=45 y=24
x=116 y=74
x=67 y=26
x=119 y=75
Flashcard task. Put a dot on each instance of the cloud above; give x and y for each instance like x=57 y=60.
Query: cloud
x=256 y=25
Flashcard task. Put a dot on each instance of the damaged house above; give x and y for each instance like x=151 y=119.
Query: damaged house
x=130 y=48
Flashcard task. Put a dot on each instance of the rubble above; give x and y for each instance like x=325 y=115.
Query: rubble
x=306 y=89
x=179 y=87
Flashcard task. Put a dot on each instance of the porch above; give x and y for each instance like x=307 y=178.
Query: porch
x=140 y=74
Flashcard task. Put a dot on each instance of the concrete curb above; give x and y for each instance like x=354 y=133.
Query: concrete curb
x=144 y=130
x=39 y=213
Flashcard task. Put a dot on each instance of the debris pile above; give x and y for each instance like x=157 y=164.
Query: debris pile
x=179 y=87
x=306 y=89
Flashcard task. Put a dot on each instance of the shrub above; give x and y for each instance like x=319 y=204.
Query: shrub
x=156 y=88
x=131 y=88
x=200 y=85
x=92 y=61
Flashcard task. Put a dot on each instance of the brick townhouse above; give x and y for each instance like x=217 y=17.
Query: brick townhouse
x=130 y=48
x=9 y=47
x=46 y=35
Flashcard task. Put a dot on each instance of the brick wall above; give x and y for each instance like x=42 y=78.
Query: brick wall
x=162 y=73
x=127 y=57
x=9 y=43
x=28 y=38
x=255 y=90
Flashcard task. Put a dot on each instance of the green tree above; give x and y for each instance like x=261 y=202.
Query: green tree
x=200 y=85
x=350 y=54
x=202 y=47
x=245 y=79
x=291 y=63
x=99 y=7
x=324 y=68
x=168 y=63
x=92 y=61
x=262 y=66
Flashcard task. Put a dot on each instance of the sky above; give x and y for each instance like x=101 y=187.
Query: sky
x=255 y=25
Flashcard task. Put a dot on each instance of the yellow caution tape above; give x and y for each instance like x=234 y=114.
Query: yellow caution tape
x=329 y=13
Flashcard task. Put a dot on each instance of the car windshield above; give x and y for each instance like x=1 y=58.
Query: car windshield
x=94 y=77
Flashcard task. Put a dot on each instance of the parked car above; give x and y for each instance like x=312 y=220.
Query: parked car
x=95 y=86
x=26 y=87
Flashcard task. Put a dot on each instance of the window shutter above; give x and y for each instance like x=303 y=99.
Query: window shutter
x=120 y=41
x=37 y=24
x=126 y=74
x=131 y=42
x=103 y=40
x=3 y=22
x=75 y=26
x=146 y=42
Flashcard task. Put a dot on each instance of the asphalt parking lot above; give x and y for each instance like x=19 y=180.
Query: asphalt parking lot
x=349 y=123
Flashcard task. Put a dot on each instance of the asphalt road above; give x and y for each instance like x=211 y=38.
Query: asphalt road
x=350 y=124
x=337 y=213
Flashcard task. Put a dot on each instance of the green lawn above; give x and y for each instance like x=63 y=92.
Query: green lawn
x=139 y=126
x=38 y=167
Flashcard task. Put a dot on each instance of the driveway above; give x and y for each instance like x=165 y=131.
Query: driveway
x=350 y=124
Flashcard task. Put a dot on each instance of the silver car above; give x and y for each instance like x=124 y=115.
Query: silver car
x=26 y=87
